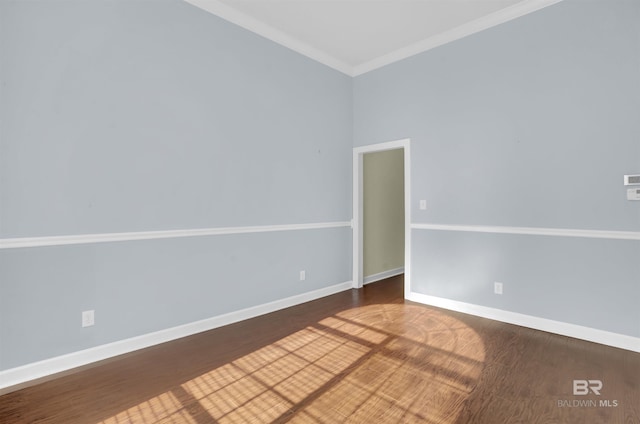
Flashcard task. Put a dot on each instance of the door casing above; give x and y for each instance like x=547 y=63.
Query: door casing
x=357 y=193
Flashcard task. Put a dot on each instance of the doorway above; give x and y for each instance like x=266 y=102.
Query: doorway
x=359 y=205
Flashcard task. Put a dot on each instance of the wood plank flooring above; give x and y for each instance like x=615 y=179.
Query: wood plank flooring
x=361 y=356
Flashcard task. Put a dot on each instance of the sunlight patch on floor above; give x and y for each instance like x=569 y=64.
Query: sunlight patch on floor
x=155 y=410
x=379 y=363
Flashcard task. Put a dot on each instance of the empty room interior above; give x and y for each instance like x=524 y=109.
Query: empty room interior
x=317 y=211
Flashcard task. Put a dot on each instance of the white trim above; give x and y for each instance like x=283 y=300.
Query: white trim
x=560 y=232
x=627 y=180
x=501 y=16
x=381 y=147
x=621 y=341
x=356 y=220
x=382 y=275
x=407 y=216
x=358 y=153
x=16 y=243
x=258 y=27
x=267 y=31
x=19 y=377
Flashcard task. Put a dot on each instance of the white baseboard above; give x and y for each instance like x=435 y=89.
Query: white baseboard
x=577 y=331
x=382 y=275
x=26 y=375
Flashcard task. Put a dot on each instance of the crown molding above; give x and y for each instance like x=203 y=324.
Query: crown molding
x=477 y=25
x=267 y=31
x=258 y=27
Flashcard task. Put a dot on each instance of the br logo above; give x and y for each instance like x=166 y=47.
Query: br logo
x=583 y=387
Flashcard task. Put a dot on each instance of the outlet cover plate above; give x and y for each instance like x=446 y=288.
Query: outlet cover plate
x=88 y=318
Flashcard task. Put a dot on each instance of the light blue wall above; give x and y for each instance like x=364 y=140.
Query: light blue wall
x=121 y=116
x=145 y=286
x=133 y=115
x=588 y=282
x=531 y=123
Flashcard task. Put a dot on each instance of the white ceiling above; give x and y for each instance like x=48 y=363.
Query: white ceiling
x=357 y=36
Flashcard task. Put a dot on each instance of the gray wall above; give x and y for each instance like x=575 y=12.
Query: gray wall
x=121 y=116
x=531 y=123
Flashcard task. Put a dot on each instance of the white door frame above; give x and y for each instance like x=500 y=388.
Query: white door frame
x=358 y=153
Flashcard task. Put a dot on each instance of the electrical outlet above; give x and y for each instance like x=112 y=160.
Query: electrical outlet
x=303 y=275
x=88 y=318
x=497 y=288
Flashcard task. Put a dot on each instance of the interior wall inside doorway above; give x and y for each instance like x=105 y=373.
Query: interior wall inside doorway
x=383 y=213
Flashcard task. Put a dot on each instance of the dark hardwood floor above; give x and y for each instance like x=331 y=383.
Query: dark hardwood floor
x=361 y=356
